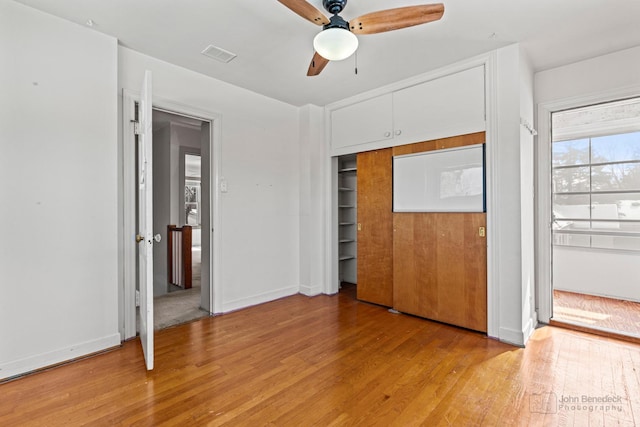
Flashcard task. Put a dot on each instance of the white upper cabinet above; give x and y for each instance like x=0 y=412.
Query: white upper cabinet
x=447 y=106
x=366 y=121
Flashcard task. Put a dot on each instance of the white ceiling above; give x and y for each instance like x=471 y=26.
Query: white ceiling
x=274 y=45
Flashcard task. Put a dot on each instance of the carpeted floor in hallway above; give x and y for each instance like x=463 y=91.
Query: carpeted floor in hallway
x=181 y=306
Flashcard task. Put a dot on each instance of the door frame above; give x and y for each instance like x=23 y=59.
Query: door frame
x=544 y=249
x=127 y=300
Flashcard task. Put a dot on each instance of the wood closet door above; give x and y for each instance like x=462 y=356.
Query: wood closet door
x=440 y=267
x=440 y=259
x=375 y=227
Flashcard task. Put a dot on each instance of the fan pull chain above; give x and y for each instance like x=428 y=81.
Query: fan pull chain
x=356 y=59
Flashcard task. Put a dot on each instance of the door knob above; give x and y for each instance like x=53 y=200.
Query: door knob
x=140 y=238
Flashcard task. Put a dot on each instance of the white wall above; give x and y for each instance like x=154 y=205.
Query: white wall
x=312 y=160
x=593 y=76
x=259 y=258
x=58 y=136
x=527 y=197
x=601 y=272
x=506 y=205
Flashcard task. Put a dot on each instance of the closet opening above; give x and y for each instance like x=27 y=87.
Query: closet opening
x=347 y=222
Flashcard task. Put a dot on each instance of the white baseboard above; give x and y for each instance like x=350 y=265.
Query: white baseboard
x=228 y=306
x=519 y=338
x=310 y=291
x=531 y=327
x=512 y=336
x=528 y=330
x=32 y=363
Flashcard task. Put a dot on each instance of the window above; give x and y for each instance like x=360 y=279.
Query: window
x=192 y=193
x=596 y=176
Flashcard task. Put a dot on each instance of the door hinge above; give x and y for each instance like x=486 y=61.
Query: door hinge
x=137 y=298
x=136 y=127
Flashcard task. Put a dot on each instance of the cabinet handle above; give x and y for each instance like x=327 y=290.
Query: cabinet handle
x=398 y=132
x=387 y=134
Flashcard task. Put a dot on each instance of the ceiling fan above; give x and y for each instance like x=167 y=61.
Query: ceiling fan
x=337 y=39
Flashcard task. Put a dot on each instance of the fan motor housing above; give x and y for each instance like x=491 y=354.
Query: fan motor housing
x=334 y=6
x=337 y=22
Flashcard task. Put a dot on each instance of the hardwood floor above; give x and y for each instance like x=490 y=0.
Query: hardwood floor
x=592 y=311
x=331 y=360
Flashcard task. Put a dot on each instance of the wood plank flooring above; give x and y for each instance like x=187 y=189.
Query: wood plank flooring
x=331 y=360
x=597 y=312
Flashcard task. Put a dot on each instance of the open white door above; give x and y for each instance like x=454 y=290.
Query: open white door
x=145 y=236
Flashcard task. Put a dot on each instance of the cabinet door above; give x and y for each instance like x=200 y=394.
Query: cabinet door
x=448 y=106
x=440 y=267
x=375 y=227
x=366 y=121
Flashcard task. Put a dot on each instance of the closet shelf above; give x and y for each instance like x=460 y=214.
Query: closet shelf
x=346 y=240
x=346 y=189
x=347 y=223
x=346 y=257
x=347 y=170
x=346 y=206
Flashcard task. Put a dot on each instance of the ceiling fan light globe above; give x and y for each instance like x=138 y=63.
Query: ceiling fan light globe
x=335 y=44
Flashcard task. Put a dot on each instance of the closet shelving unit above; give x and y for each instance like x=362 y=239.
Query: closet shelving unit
x=347 y=217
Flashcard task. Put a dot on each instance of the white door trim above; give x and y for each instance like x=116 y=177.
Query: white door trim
x=492 y=194
x=127 y=310
x=544 y=270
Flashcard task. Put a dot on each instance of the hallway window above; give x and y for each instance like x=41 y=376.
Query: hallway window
x=192 y=191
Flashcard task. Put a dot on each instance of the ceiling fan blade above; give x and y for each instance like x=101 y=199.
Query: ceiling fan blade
x=317 y=65
x=306 y=10
x=394 y=19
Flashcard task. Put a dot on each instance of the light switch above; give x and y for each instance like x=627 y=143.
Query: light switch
x=481 y=231
x=223 y=186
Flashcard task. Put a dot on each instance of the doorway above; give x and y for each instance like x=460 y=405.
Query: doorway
x=178 y=202
x=209 y=237
x=595 y=217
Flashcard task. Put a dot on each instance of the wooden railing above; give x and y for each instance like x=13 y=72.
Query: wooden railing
x=179 y=255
